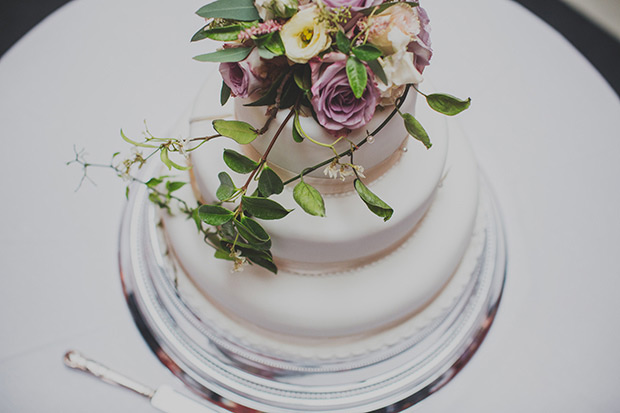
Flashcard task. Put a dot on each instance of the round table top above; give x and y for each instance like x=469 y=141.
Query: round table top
x=544 y=126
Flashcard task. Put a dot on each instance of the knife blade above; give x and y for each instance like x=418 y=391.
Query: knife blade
x=163 y=398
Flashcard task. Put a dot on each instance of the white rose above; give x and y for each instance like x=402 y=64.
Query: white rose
x=264 y=9
x=284 y=8
x=303 y=36
x=399 y=71
x=269 y=9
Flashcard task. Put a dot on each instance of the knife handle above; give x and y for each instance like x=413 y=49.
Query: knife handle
x=75 y=360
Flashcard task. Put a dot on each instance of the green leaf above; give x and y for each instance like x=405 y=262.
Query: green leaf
x=377 y=69
x=244 y=246
x=296 y=136
x=240 y=132
x=260 y=258
x=134 y=143
x=253 y=232
x=263 y=208
x=302 y=77
x=230 y=55
x=357 y=75
x=225 y=93
x=263 y=262
x=200 y=34
x=223 y=34
x=298 y=133
x=447 y=104
x=309 y=199
x=290 y=93
x=153 y=182
x=239 y=163
x=367 y=52
x=228 y=230
x=163 y=154
x=265 y=53
x=223 y=255
x=269 y=183
x=272 y=42
x=416 y=130
x=372 y=201
x=297 y=128
x=227 y=187
x=215 y=215
x=196 y=219
x=154 y=198
x=343 y=42
x=172 y=186
x=243 y=10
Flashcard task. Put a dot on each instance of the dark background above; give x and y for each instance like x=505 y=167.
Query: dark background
x=17 y=17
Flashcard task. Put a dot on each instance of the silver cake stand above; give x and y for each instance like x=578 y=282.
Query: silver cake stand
x=235 y=378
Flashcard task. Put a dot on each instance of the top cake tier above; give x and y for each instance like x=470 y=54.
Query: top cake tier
x=292 y=157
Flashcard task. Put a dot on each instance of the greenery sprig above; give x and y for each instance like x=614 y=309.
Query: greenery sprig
x=230 y=224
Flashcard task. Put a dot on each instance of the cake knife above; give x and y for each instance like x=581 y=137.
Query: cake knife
x=163 y=398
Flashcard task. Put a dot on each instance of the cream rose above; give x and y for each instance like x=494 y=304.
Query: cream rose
x=393 y=29
x=399 y=70
x=303 y=36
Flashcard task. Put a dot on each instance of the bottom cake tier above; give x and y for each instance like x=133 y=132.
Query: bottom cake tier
x=242 y=365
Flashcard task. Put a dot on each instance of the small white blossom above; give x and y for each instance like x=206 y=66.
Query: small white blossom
x=342 y=170
x=360 y=170
x=239 y=262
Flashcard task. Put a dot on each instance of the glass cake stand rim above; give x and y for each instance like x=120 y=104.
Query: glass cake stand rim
x=214 y=383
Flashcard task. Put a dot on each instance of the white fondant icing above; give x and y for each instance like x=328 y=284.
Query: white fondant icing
x=332 y=349
x=338 y=304
x=301 y=241
x=294 y=156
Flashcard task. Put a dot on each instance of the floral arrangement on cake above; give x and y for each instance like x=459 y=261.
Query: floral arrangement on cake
x=338 y=61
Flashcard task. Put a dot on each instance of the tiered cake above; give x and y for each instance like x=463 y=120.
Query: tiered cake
x=372 y=266
x=347 y=275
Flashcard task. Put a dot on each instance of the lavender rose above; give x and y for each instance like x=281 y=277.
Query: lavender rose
x=354 y=4
x=336 y=108
x=421 y=48
x=243 y=78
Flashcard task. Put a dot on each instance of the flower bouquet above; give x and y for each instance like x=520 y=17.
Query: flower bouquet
x=336 y=61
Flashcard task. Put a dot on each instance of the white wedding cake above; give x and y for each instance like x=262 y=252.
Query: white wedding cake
x=329 y=245
x=327 y=98
x=348 y=282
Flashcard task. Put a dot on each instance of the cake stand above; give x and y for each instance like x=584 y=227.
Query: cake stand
x=241 y=378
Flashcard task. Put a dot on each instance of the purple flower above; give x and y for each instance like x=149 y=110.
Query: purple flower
x=354 y=4
x=243 y=77
x=421 y=48
x=336 y=107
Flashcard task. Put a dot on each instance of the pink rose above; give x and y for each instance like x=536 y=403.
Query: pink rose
x=243 y=78
x=336 y=107
x=421 y=47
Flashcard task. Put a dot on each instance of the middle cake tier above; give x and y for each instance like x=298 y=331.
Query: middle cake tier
x=406 y=177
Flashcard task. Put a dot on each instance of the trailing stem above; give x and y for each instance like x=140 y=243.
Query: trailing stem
x=348 y=152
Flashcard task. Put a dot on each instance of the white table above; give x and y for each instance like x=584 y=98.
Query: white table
x=544 y=125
